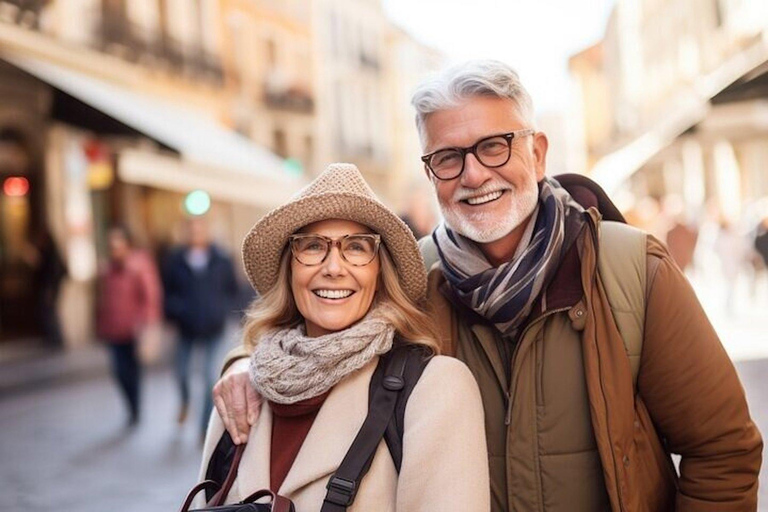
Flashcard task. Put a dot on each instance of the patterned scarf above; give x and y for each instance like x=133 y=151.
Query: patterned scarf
x=287 y=366
x=505 y=295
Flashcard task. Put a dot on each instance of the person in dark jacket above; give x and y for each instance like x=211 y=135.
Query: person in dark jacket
x=50 y=271
x=200 y=290
x=761 y=240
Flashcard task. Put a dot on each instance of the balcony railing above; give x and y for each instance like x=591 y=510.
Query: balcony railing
x=25 y=13
x=127 y=40
x=293 y=99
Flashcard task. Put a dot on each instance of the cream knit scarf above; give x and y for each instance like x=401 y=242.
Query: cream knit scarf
x=287 y=366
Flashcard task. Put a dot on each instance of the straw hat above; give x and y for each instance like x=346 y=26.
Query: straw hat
x=340 y=192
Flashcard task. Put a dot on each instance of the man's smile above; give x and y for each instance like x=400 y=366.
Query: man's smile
x=483 y=199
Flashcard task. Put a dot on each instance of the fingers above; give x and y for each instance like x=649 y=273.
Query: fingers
x=220 y=400
x=237 y=408
x=230 y=396
x=253 y=403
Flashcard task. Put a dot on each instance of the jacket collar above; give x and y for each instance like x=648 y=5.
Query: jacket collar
x=335 y=427
x=565 y=289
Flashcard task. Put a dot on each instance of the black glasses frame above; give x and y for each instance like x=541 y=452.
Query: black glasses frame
x=333 y=242
x=509 y=137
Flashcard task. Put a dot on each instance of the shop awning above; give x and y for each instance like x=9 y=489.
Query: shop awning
x=230 y=165
x=169 y=173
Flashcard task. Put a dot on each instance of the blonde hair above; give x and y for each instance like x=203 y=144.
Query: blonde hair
x=276 y=309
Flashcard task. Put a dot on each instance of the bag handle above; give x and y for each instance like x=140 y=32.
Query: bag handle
x=221 y=494
x=279 y=503
x=222 y=489
x=194 y=491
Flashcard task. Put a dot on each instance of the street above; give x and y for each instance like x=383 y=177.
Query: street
x=67 y=449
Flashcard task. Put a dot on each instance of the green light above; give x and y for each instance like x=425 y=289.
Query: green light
x=197 y=202
x=293 y=166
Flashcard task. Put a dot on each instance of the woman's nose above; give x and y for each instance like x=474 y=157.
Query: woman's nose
x=334 y=263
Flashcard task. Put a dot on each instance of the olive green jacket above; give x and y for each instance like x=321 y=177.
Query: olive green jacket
x=570 y=431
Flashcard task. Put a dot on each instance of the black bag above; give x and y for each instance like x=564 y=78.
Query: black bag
x=277 y=503
x=391 y=385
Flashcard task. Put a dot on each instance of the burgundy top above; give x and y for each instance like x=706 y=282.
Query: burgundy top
x=130 y=296
x=290 y=426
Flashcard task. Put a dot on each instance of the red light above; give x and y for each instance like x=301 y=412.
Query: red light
x=16 y=186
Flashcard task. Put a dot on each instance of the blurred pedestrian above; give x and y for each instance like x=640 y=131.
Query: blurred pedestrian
x=761 y=240
x=681 y=235
x=681 y=242
x=733 y=250
x=200 y=291
x=49 y=271
x=130 y=299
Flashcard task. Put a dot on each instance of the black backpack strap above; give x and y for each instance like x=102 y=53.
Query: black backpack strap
x=417 y=358
x=391 y=379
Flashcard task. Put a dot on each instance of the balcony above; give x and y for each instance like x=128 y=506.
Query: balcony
x=25 y=13
x=117 y=36
x=294 y=99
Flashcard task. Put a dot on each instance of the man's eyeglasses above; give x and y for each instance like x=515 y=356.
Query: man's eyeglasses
x=357 y=250
x=493 y=151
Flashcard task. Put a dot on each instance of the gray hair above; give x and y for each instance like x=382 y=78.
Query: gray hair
x=489 y=78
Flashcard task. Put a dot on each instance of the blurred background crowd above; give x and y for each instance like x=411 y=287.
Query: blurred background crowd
x=144 y=114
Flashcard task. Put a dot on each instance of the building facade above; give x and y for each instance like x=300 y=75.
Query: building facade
x=673 y=102
x=117 y=123
x=118 y=109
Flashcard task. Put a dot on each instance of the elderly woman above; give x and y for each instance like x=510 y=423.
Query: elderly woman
x=341 y=282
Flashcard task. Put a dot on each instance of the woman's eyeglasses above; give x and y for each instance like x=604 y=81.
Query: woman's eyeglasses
x=357 y=249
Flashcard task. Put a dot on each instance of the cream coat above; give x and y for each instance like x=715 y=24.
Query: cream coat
x=445 y=464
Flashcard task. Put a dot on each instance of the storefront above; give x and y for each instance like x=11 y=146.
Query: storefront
x=107 y=155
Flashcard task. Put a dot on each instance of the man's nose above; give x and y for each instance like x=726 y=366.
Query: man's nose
x=475 y=173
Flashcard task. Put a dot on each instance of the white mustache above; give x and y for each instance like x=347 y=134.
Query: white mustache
x=463 y=193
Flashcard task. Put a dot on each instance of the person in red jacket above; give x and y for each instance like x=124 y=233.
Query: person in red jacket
x=130 y=299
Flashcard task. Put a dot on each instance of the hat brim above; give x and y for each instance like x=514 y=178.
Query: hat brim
x=265 y=243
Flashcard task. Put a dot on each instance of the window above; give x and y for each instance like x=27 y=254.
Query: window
x=280 y=142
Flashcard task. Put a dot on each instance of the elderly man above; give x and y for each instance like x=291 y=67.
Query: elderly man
x=593 y=356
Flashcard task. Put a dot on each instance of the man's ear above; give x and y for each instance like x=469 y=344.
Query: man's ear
x=540 y=147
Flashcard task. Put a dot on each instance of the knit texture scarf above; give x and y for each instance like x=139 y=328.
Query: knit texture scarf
x=505 y=295
x=287 y=366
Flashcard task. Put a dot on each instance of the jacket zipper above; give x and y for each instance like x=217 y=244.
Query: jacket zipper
x=513 y=378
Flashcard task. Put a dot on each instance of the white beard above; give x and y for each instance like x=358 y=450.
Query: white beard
x=485 y=227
